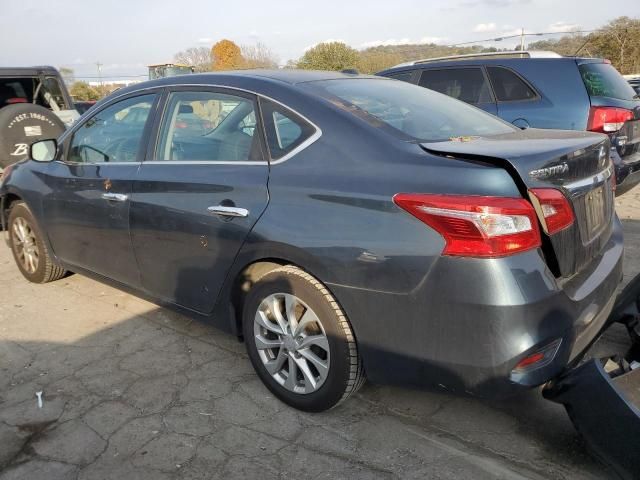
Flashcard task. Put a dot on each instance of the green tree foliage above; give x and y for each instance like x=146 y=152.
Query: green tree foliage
x=82 y=91
x=329 y=56
x=227 y=56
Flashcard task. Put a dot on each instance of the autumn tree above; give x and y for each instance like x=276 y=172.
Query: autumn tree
x=329 y=56
x=258 y=56
x=226 y=56
x=197 y=57
x=82 y=91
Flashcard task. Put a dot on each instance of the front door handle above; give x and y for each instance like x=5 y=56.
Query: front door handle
x=115 y=197
x=225 y=211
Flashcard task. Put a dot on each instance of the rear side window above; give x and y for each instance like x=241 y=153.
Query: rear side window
x=403 y=76
x=466 y=84
x=285 y=129
x=602 y=80
x=508 y=86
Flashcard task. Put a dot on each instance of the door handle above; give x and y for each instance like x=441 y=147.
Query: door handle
x=115 y=197
x=225 y=211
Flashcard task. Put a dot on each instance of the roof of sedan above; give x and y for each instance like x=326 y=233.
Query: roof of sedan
x=289 y=76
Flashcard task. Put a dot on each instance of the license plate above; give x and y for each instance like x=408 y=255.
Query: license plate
x=594 y=202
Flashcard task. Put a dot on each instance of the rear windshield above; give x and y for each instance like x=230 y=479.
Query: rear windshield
x=409 y=110
x=602 y=80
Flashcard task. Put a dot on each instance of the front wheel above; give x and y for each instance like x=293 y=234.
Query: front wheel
x=29 y=251
x=300 y=342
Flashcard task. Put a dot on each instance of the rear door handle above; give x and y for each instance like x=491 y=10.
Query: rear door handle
x=115 y=197
x=225 y=211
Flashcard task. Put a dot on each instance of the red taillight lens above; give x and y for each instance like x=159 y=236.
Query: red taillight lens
x=607 y=119
x=556 y=212
x=475 y=226
x=538 y=359
x=181 y=125
x=11 y=101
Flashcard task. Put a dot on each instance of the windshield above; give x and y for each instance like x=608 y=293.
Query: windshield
x=416 y=112
x=602 y=80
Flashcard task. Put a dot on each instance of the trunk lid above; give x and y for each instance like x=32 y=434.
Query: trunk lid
x=577 y=163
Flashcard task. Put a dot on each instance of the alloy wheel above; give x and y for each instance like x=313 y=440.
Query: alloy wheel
x=24 y=240
x=292 y=343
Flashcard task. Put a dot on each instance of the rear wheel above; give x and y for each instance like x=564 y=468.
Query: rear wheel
x=300 y=342
x=29 y=251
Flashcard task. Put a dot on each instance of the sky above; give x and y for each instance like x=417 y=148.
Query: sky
x=127 y=35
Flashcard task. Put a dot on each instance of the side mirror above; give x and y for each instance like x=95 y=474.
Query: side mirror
x=44 y=150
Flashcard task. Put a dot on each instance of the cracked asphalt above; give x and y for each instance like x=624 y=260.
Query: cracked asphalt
x=134 y=391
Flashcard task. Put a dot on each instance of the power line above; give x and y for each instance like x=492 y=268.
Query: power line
x=520 y=35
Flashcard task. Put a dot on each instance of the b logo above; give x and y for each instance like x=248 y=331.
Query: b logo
x=21 y=149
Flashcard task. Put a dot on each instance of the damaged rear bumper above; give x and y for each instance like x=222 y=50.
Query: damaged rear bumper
x=602 y=395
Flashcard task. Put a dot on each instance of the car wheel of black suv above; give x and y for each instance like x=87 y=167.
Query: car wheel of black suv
x=300 y=341
x=29 y=251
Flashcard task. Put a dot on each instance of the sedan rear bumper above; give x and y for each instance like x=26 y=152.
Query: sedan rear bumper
x=471 y=321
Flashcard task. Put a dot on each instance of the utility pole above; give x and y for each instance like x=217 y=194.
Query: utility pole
x=522 y=40
x=99 y=65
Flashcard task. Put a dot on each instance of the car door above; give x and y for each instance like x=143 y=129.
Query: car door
x=87 y=204
x=198 y=194
x=517 y=101
x=468 y=84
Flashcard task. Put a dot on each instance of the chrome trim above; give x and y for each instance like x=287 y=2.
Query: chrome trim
x=579 y=187
x=225 y=211
x=307 y=143
x=97 y=163
x=312 y=139
x=203 y=162
x=115 y=197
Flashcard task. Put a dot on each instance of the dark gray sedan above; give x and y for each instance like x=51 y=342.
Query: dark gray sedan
x=340 y=224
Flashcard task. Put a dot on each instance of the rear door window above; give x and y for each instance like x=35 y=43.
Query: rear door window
x=467 y=84
x=508 y=86
x=209 y=126
x=602 y=80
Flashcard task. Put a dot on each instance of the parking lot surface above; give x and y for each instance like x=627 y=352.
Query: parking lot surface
x=134 y=391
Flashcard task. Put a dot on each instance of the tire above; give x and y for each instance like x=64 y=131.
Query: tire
x=22 y=224
x=324 y=342
x=23 y=124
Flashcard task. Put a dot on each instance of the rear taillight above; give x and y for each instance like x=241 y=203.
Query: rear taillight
x=555 y=210
x=607 y=119
x=476 y=226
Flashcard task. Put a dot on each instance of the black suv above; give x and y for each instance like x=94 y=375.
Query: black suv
x=34 y=105
x=542 y=90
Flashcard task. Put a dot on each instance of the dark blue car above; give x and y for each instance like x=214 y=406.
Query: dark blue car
x=340 y=224
x=542 y=90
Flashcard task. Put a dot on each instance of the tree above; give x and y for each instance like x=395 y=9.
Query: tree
x=329 y=56
x=197 y=57
x=372 y=61
x=619 y=41
x=226 y=56
x=82 y=91
x=67 y=75
x=258 y=56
